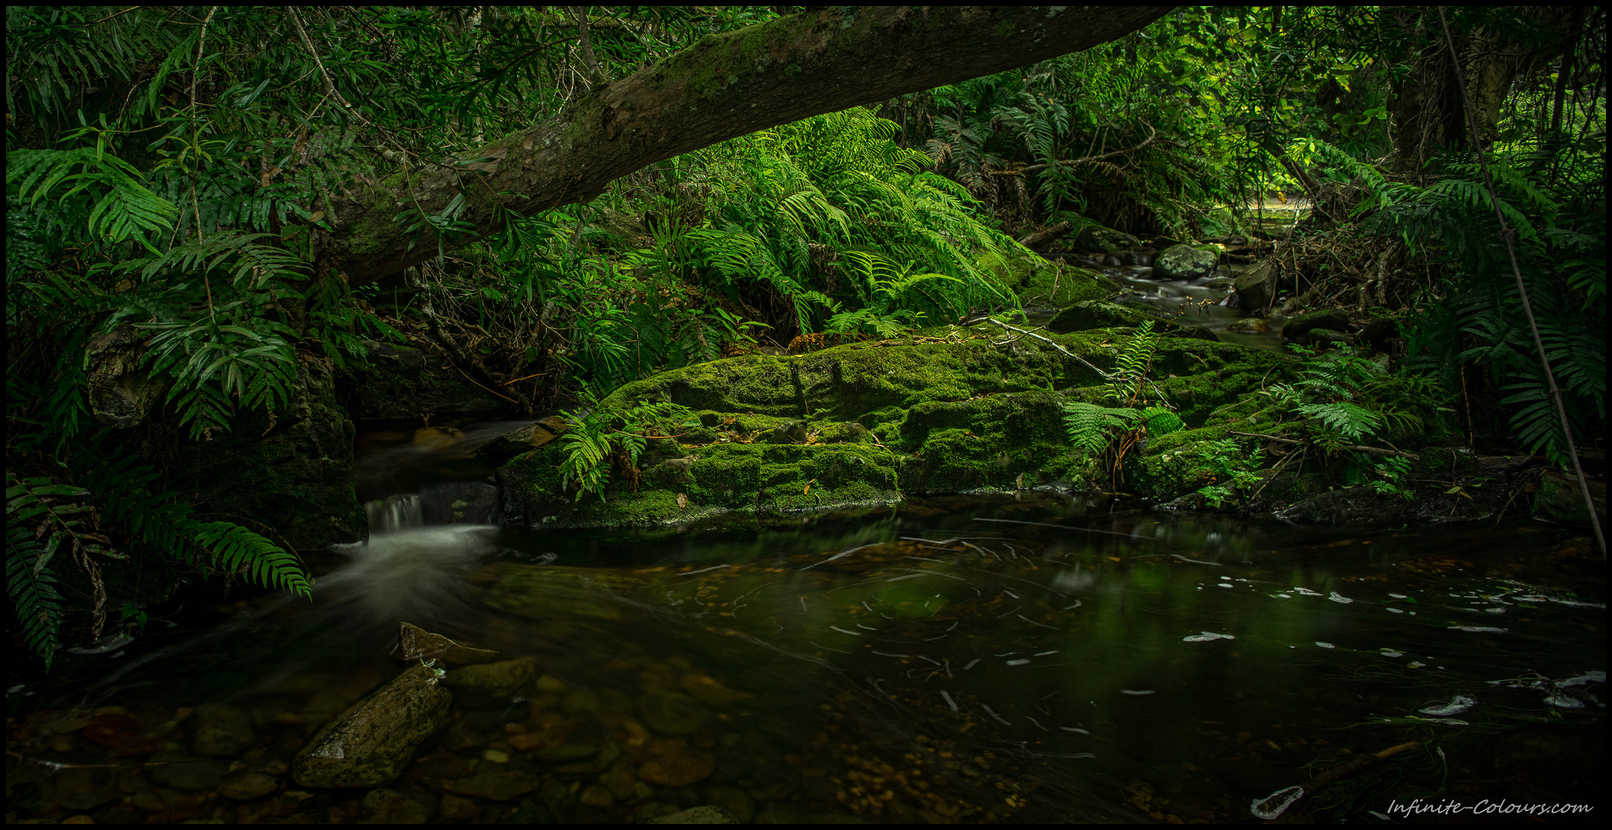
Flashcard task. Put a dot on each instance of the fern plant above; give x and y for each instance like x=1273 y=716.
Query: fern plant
x=45 y=518
x=1131 y=367
x=596 y=439
x=1096 y=429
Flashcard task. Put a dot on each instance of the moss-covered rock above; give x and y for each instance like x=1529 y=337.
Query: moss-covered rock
x=863 y=422
x=1094 y=314
x=1055 y=285
x=294 y=475
x=1184 y=262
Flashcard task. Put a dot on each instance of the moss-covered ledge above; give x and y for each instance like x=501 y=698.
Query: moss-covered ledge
x=955 y=411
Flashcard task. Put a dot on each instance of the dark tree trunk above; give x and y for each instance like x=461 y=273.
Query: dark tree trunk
x=725 y=86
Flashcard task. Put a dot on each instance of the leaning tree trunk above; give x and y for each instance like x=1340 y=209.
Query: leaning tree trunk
x=725 y=86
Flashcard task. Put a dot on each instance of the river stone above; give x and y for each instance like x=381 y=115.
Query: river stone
x=1184 y=262
x=505 y=678
x=620 y=780
x=1248 y=325
x=676 y=764
x=248 y=785
x=387 y=806
x=670 y=713
x=222 y=730
x=697 y=815
x=561 y=753
x=498 y=785
x=177 y=772
x=1298 y=327
x=415 y=643
x=525 y=439
x=595 y=796
x=1256 y=288
x=711 y=691
x=734 y=801
x=370 y=743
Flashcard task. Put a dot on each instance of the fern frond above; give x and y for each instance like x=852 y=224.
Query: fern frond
x=1348 y=419
x=234 y=548
x=1089 y=426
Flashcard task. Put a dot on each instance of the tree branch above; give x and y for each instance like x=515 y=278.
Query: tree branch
x=724 y=86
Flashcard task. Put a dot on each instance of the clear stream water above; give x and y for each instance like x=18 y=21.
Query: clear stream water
x=1041 y=659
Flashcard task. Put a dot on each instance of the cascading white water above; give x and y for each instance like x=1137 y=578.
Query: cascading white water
x=394 y=513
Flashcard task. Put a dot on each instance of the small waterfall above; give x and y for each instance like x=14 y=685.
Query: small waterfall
x=442 y=503
x=393 y=513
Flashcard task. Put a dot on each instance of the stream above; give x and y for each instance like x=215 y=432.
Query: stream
x=954 y=660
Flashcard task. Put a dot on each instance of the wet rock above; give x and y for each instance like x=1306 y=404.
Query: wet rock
x=525 y=439
x=733 y=801
x=649 y=811
x=1184 y=262
x=1256 y=287
x=1297 y=328
x=1248 y=325
x=560 y=753
x=391 y=807
x=710 y=691
x=370 y=743
x=670 y=713
x=498 y=785
x=503 y=679
x=246 y=786
x=415 y=643
x=1098 y=315
x=222 y=730
x=178 y=772
x=1220 y=284
x=621 y=781
x=580 y=702
x=454 y=808
x=673 y=763
x=697 y=815
x=596 y=796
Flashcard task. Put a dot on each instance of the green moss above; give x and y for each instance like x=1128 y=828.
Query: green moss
x=1054 y=285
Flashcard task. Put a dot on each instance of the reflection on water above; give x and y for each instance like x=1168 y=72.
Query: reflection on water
x=951 y=662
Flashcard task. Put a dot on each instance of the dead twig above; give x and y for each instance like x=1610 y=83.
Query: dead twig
x=1354 y=447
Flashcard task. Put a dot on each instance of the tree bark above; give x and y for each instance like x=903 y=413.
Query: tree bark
x=725 y=86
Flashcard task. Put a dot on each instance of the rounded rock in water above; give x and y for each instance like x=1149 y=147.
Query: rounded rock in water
x=370 y=743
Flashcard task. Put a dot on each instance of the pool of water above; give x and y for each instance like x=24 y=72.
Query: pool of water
x=952 y=660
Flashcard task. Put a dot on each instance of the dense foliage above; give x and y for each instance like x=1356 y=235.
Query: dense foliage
x=168 y=175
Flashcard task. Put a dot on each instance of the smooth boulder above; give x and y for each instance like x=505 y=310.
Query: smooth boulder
x=1184 y=262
